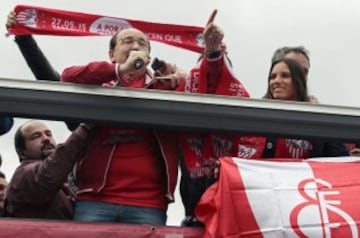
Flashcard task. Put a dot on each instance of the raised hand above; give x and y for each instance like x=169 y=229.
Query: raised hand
x=128 y=71
x=213 y=34
x=11 y=20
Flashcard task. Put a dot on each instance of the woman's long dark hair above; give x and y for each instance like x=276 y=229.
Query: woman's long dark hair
x=297 y=76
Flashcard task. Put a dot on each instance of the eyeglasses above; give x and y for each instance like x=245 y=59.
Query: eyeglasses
x=129 y=42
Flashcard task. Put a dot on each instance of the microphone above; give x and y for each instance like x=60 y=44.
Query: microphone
x=138 y=64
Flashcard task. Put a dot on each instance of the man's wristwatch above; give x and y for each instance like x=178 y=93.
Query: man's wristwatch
x=213 y=54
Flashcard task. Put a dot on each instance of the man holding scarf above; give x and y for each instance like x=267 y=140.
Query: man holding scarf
x=213 y=75
x=128 y=174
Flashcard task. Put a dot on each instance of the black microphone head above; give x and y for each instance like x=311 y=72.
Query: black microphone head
x=138 y=64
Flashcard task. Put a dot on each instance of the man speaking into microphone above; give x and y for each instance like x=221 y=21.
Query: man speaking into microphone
x=129 y=53
x=127 y=175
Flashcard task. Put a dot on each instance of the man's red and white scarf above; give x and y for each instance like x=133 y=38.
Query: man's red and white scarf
x=46 y=21
x=229 y=85
x=202 y=150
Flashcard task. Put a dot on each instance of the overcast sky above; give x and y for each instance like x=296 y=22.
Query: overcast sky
x=329 y=29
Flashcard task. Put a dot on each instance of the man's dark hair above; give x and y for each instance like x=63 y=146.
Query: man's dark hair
x=19 y=140
x=297 y=76
x=281 y=52
x=113 y=41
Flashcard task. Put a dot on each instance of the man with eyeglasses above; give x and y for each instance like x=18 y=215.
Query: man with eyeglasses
x=128 y=174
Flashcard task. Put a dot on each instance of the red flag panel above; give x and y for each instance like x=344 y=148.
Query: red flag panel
x=290 y=198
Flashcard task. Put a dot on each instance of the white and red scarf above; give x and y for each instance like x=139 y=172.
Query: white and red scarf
x=202 y=150
x=229 y=85
x=46 y=21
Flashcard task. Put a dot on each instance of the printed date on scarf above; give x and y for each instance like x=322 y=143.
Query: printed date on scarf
x=62 y=24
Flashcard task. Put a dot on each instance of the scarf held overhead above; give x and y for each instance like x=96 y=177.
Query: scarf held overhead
x=46 y=21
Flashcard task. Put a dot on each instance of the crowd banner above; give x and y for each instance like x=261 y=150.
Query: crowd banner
x=291 y=198
x=46 y=21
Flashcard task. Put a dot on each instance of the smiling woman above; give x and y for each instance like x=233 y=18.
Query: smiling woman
x=287 y=81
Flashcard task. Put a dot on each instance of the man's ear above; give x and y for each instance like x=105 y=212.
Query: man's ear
x=21 y=153
x=111 y=56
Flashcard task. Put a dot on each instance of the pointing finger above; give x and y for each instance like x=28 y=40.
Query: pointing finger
x=212 y=17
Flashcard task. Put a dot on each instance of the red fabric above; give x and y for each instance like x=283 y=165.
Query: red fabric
x=289 y=198
x=96 y=73
x=40 y=20
x=103 y=73
x=214 y=75
x=340 y=184
x=197 y=81
x=225 y=213
x=95 y=171
x=202 y=150
x=229 y=86
x=45 y=229
x=136 y=176
x=292 y=148
x=250 y=147
x=92 y=171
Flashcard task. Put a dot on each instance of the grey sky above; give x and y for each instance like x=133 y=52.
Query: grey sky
x=253 y=30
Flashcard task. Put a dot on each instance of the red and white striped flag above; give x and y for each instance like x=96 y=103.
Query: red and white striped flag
x=272 y=198
x=46 y=21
